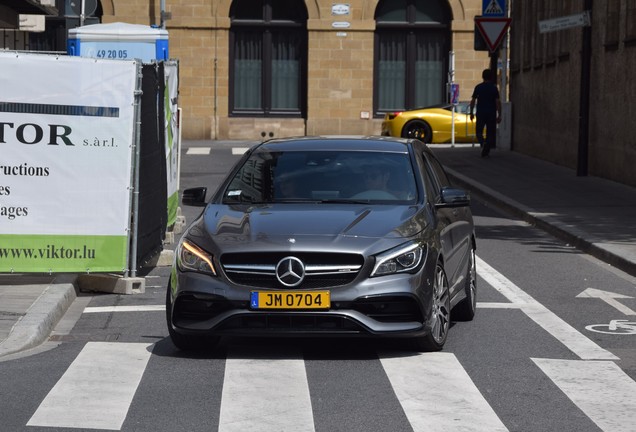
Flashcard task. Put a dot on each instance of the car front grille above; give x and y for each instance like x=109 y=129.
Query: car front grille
x=322 y=270
x=290 y=323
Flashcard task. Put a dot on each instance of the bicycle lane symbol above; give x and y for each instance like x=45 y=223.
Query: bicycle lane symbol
x=615 y=327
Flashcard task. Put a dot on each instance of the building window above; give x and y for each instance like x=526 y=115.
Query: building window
x=412 y=43
x=268 y=45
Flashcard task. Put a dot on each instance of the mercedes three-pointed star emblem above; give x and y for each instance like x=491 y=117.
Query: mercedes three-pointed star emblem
x=290 y=271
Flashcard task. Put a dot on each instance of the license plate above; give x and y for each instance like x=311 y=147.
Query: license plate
x=290 y=300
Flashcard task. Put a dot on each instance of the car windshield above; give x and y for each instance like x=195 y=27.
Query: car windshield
x=460 y=107
x=463 y=107
x=323 y=176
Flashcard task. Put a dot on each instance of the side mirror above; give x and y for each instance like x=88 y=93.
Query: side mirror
x=194 y=196
x=453 y=197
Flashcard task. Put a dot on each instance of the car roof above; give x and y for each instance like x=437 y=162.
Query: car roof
x=338 y=143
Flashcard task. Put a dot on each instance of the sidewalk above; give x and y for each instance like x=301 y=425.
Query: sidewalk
x=30 y=307
x=595 y=215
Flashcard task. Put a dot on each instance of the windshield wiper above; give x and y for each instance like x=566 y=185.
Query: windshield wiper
x=295 y=201
x=320 y=201
x=344 y=201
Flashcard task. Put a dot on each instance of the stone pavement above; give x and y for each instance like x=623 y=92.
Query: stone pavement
x=595 y=215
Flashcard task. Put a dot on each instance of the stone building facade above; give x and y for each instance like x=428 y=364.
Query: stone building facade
x=549 y=76
x=338 y=67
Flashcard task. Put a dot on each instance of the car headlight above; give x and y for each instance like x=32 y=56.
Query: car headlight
x=190 y=257
x=402 y=259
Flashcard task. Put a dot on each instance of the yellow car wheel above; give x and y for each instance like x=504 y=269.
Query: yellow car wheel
x=418 y=129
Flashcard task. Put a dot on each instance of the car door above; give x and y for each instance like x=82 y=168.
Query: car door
x=455 y=224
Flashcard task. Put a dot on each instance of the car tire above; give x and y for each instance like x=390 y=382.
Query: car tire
x=465 y=309
x=435 y=339
x=186 y=342
x=418 y=129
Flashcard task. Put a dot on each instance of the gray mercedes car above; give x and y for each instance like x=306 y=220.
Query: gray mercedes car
x=326 y=236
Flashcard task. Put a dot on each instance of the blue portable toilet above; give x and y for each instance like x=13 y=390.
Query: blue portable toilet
x=118 y=41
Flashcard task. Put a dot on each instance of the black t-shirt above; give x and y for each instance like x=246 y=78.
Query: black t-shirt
x=486 y=94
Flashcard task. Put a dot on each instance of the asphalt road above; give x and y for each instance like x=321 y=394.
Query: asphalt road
x=534 y=358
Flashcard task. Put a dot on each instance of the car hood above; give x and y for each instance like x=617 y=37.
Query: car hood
x=234 y=227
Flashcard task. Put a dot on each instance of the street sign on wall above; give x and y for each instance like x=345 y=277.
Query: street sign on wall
x=565 y=22
x=493 y=30
x=493 y=8
x=454 y=93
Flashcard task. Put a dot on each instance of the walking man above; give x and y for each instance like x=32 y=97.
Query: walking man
x=486 y=95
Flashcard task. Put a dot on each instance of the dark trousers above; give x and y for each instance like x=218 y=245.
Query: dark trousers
x=490 y=122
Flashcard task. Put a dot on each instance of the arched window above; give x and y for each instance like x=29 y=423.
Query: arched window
x=412 y=44
x=268 y=60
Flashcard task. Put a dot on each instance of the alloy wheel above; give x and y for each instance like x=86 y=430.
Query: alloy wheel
x=441 y=306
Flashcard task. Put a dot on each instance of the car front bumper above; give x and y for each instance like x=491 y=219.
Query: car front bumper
x=395 y=305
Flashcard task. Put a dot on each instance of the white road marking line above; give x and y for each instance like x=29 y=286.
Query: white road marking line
x=239 y=150
x=562 y=331
x=97 y=389
x=610 y=298
x=199 y=151
x=437 y=394
x=493 y=305
x=601 y=389
x=265 y=394
x=141 y=308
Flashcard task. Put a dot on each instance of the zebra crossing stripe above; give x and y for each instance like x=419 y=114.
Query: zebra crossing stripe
x=139 y=308
x=265 y=393
x=601 y=389
x=198 y=151
x=575 y=341
x=97 y=389
x=437 y=394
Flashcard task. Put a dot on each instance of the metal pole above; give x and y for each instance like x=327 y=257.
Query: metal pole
x=452 y=81
x=584 y=106
x=504 y=62
x=494 y=59
x=82 y=9
x=216 y=115
x=162 y=14
x=137 y=153
x=179 y=128
x=453 y=127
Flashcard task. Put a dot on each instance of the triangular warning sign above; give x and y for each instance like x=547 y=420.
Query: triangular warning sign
x=493 y=8
x=493 y=30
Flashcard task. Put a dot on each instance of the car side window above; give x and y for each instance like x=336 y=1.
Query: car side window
x=437 y=170
x=426 y=176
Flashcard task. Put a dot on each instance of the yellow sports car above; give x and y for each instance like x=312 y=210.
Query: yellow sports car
x=432 y=124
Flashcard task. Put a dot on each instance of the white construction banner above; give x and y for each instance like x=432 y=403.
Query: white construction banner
x=66 y=146
x=171 y=94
